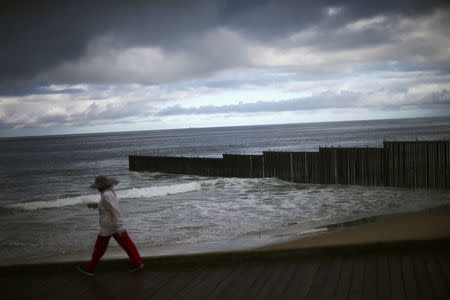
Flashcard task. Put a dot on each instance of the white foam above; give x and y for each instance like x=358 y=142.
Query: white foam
x=54 y=203
x=158 y=191
x=146 y=192
x=312 y=230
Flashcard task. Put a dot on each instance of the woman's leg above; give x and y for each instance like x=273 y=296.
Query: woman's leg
x=99 y=249
x=127 y=244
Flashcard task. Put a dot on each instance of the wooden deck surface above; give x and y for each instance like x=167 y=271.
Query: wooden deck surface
x=414 y=274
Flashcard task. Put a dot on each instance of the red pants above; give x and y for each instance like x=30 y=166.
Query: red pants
x=123 y=240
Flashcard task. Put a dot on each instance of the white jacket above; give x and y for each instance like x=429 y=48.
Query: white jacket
x=110 y=220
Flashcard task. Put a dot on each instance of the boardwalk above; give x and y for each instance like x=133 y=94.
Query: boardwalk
x=376 y=273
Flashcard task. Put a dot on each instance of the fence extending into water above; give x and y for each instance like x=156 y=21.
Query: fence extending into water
x=411 y=164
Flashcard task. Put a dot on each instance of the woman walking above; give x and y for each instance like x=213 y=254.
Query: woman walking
x=111 y=224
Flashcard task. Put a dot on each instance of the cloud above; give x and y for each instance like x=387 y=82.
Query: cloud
x=439 y=99
x=42 y=35
x=376 y=43
x=327 y=100
x=109 y=104
x=24 y=89
x=71 y=63
x=60 y=110
x=161 y=41
x=212 y=51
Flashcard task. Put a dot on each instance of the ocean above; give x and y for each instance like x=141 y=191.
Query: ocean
x=44 y=188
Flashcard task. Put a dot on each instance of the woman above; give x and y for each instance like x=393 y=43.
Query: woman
x=111 y=224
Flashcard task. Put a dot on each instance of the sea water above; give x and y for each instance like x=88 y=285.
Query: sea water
x=44 y=188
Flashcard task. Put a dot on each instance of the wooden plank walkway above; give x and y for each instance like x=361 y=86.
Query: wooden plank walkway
x=413 y=274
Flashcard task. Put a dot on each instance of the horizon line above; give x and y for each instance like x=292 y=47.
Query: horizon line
x=210 y=127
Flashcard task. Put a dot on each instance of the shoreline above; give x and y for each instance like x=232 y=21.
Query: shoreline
x=426 y=224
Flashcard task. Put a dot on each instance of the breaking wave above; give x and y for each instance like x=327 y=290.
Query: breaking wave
x=145 y=192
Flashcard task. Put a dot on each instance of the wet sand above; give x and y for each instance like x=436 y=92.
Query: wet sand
x=429 y=224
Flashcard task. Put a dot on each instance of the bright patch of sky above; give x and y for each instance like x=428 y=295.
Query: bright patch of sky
x=238 y=96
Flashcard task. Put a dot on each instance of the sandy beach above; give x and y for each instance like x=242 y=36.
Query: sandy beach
x=432 y=223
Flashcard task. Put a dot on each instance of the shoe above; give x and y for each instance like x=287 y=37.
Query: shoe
x=136 y=269
x=85 y=271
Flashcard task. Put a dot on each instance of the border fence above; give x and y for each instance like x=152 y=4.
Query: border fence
x=409 y=164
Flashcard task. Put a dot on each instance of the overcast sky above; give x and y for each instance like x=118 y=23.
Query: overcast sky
x=96 y=66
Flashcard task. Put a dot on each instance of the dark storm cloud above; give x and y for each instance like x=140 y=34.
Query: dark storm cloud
x=270 y=19
x=20 y=89
x=40 y=35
